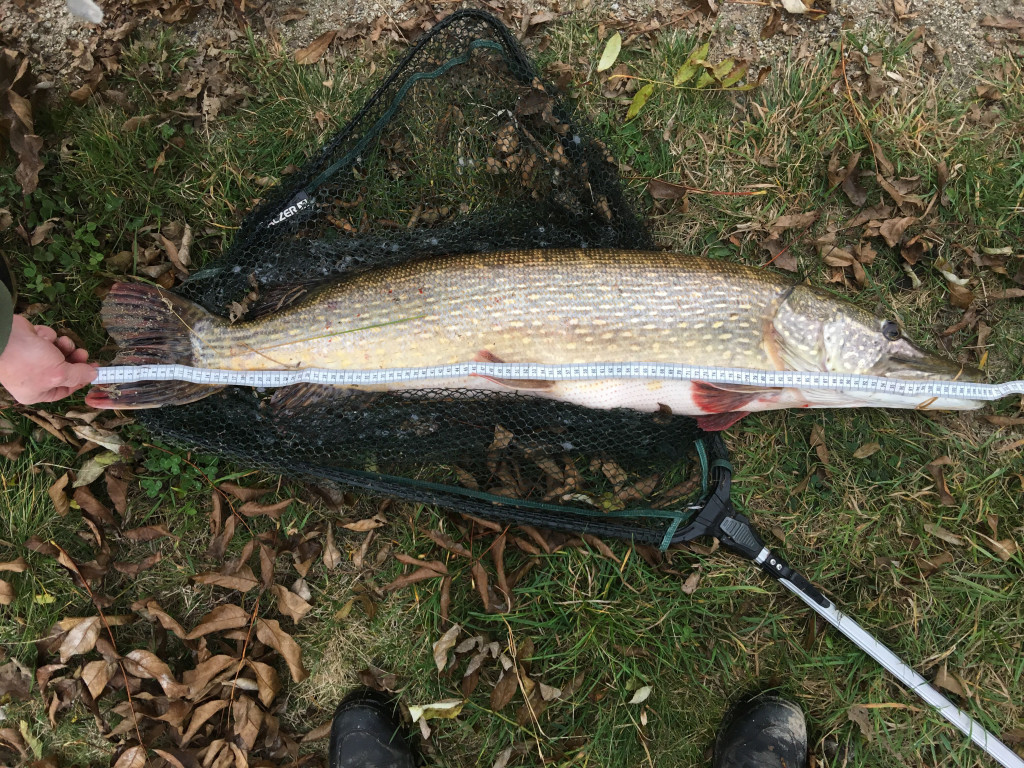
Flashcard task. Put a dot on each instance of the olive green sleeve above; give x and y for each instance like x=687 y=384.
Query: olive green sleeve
x=7 y=290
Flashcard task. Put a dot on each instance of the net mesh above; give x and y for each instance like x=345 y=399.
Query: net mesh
x=463 y=149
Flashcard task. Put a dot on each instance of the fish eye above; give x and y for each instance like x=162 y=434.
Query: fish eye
x=891 y=330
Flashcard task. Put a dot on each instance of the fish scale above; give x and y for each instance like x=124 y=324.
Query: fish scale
x=537 y=306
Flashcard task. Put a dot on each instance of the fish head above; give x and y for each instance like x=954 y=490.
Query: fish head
x=815 y=331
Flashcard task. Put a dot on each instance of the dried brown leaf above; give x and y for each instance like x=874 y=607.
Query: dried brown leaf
x=244 y=493
x=691 y=583
x=269 y=632
x=247 y=718
x=818 y=443
x=936 y=469
x=366 y=524
x=482 y=583
x=420 y=574
x=201 y=714
x=13 y=449
x=772 y=24
x=220 y=619
x=151 y=608
x=445 y=600
x=93 y=507
x=962 y=297
x=134 y=569
x=332 y=555
x=860 y=715
x=267 y=681
x=322 y=731
x=133 y=757
x=666 y=190
x=57 y=495
x=200 y=679
x=793 y=220
x=947 y=536
x=502 y=439
x=81 y=639
x=148 y=533
x=877 y=213
x=1006 y=293
x=313 y=52
x=7 y=593
x=435 y=565
x=273 y=511
x=1000 y=421
x=1004 y=549
x=1003 y=22
x=930 y=565
x=868 y=449
x=290 y=604
x=498 y=556
x=15 y=681
x=147 y=665
x=96 y=675
x=943 y=679
x=892 y=229
x=444 y=644
x=16 y=566
x=854 y=191
x=445 y=541
x=504 y=690
x=243 y=579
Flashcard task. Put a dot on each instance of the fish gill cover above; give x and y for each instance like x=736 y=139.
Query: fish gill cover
x=462 y=149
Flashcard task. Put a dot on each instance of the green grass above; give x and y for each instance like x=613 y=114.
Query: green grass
x=856 y=527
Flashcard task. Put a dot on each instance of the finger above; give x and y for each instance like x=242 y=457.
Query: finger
x=77 y=375
x=65 y=345
x=78 y=356
x=46 y=333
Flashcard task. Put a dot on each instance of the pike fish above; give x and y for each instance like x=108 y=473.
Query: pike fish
x=540 y=306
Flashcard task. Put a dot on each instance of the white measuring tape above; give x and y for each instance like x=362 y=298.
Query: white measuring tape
x=963 y=390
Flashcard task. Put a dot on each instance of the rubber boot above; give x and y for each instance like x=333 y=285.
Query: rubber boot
x=763 y=732
x=367 y=733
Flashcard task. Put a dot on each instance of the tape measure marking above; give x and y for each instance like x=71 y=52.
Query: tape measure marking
x=567 y=372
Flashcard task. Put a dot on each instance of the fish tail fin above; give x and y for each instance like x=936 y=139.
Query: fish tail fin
x=151 y=327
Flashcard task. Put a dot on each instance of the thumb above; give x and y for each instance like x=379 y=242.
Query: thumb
x=78 y=375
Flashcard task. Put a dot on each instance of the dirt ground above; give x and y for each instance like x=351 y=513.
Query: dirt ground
x=959 y=34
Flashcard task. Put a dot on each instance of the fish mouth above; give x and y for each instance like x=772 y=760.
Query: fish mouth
x=924 y=365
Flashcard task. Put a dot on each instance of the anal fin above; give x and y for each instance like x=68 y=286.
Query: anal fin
x=724 y=398
x=716 y=422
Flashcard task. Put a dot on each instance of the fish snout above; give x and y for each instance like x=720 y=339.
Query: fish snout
x=908 y=361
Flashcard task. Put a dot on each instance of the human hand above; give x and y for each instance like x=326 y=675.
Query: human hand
x=37 y=366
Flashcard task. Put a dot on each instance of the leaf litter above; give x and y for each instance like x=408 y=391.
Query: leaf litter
x=216 y=696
